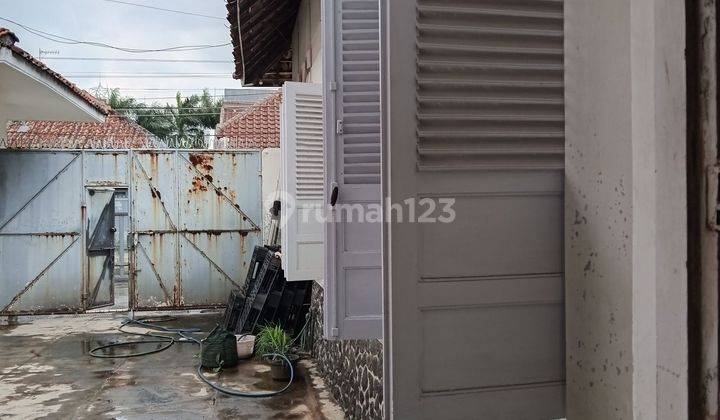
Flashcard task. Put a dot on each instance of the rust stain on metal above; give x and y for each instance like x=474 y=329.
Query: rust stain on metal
x=177 y=298
x=155 y=193
x=57 y=234
x=105 y=183
x=154 y=164
x=203 y=164
x=198 y=184
x=202 y=161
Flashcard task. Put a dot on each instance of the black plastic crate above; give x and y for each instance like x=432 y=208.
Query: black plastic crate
x=295 y=306
x=262 y=272
x=267 y=303
x=236 y=303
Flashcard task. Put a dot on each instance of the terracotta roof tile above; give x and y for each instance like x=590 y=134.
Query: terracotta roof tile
x=116 y=132
x=230 y=110
x=257 y=128
x=9 y=42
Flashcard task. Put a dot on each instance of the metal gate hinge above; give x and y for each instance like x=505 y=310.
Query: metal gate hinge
x=334 y=332
x=713 y=206
x=338 y=127
x=333 y=86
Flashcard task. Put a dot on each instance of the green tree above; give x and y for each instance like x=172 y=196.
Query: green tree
x=180 y=125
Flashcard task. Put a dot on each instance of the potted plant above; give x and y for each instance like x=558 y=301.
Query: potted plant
x=273 y=341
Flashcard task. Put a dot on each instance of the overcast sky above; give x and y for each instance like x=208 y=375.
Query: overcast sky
x=128 y=26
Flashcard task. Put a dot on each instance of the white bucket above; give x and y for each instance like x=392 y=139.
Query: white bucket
x=245 y=345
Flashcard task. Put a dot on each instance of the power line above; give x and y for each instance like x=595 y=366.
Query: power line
x=70 y=41
x=165 y=108
x=203 y=110
x=158 y=89
x=158 y=76
x=152 y=89
x=166 y=10
x=137 y=60
x=172 y=97
x=170 y=115
x=105 y=136
x=201 y=73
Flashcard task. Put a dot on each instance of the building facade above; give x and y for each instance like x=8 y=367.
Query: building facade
x=577 y=140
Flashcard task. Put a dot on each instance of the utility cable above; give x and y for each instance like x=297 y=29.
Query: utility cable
x=166 y=10
x=138 y=60
x=70 y=41
x=150 y=76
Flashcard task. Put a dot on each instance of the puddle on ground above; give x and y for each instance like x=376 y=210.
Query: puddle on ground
x=54 y=375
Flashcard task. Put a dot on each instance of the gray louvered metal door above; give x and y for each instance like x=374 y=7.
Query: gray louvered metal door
x=476 y=115
x=353 y=295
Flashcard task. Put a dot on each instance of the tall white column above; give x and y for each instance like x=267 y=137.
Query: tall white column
x=3 y=129
x=626 y=228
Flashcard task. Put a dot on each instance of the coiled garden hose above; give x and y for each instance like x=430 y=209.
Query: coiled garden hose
x=144 y=322
x=169 y=341
x=230 y=391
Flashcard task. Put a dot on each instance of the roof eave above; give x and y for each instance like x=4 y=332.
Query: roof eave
x=77 y=106
x=262 y=44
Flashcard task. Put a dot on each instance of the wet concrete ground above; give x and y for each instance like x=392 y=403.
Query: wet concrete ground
x=46 y=372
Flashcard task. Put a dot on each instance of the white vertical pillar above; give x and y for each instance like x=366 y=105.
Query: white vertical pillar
x=3 y=129
x=626 y=226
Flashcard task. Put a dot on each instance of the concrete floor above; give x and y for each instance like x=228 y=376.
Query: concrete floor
x=121 y=299
x=46 y=372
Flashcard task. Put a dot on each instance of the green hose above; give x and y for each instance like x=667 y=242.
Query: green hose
x=169 y=341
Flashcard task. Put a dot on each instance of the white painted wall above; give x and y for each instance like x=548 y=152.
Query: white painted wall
x=270 y=187
x=307 y=43
x=625 y=215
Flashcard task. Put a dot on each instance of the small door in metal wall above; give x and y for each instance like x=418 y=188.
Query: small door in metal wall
x=100 y=237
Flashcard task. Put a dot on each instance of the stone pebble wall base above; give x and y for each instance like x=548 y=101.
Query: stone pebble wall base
x=351 y=369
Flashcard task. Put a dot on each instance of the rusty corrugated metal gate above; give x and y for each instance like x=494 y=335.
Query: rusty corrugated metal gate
x=194 y=220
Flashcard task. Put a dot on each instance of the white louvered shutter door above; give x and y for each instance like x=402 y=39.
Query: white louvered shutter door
x=476 y=114
x=302 y=173
x=353 y=295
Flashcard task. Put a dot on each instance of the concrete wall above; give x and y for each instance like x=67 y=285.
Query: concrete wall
x=307 y=43
x=625 y=195
x=352 y=369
